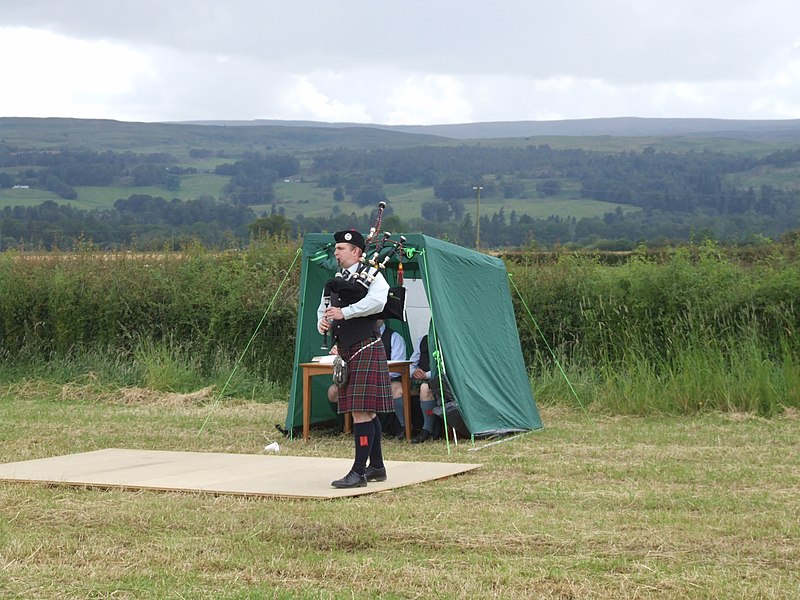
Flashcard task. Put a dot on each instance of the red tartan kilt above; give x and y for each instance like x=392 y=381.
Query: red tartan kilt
x=368 y=388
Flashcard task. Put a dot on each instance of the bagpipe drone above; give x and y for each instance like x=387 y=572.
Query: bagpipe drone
x=347 y=287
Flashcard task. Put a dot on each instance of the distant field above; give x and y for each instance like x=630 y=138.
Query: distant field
x=311 y=201
x=305 y=198
x=406 y=201
x=29 y=197
x=784 y=178
x=194 y=186
x=93 y=197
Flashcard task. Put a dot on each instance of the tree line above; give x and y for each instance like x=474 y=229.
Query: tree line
x=140 y=221
x=59 y=171
x=681 y=195
x=670 y=181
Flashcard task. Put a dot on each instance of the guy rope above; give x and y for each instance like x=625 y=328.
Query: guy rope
x=252 y=337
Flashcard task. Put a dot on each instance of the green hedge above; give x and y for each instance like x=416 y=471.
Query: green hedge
x=593 y=313
x=669 y=316
x=686 y=330
x=208 y=304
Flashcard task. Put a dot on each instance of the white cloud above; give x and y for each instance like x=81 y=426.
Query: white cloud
x=680 y=94
x=428 y=100
x=786 y=70
x=52 y=75
x=304 y=101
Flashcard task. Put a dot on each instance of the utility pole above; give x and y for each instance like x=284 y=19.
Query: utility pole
x=478 y=189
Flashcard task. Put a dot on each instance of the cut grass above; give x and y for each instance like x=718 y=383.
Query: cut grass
x=667 y=507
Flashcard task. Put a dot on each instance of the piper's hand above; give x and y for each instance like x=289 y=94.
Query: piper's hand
x=334 y=313
x=334 y=349
x=324 y=325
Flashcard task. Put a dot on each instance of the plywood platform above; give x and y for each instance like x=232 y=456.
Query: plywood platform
x=217 y=473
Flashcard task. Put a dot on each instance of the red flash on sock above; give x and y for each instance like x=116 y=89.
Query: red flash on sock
x=363 y=440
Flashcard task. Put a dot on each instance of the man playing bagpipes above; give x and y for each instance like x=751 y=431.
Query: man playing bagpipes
x=367 y=389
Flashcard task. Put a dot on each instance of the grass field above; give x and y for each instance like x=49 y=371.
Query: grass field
x=406 y=201
x=312 y=201
x=601 y=507
x=29 y=197
x=787 y=178
x=95 y=197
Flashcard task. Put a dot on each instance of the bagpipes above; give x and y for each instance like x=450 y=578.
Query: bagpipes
x=350 y=287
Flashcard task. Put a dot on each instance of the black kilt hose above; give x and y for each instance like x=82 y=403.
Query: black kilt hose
x=368 y=388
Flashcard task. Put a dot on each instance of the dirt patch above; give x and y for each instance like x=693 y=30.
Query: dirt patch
x=72 y=392
x=739 y=417
x=791 y=413
x=147 y=396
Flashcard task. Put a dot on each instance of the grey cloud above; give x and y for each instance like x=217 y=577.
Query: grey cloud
x=237 y=58
x=617 y=40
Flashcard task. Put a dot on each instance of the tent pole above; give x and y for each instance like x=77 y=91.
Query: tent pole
x=438 y=354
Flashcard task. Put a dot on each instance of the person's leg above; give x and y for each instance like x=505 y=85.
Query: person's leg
x=427 y=402
x=376 y=453
x=364 y=439
x=333 y=400
x=397 y=399
x=376 y=471
x=333 y=394
x=363 y=436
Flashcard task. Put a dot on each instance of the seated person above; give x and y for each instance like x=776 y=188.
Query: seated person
x=395 y=347
x=421 y=375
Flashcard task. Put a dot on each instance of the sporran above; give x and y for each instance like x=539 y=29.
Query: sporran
x=340 y=371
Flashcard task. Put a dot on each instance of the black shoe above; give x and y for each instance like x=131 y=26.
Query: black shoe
x=400 y=436
x=374 y=474
x=422 y=436
x=351 y=480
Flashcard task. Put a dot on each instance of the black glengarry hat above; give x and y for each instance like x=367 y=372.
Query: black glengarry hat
x=351 y=236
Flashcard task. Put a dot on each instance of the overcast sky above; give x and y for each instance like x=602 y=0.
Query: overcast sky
x=408 y=62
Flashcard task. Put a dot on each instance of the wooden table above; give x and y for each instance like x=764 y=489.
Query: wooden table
x=311 y=369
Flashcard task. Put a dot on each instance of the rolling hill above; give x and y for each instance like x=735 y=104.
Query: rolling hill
x=776 y=130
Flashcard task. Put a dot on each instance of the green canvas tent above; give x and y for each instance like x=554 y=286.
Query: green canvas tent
x=465 y=296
